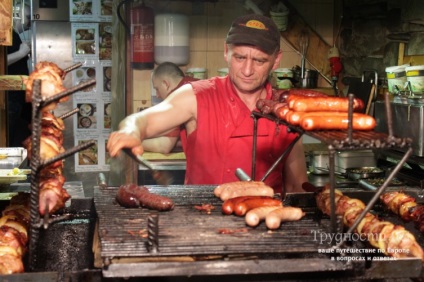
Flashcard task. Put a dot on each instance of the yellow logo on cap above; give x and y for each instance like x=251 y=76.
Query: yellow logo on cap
x=255 y=24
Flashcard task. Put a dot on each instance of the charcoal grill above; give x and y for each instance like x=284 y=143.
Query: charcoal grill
x=189 y=242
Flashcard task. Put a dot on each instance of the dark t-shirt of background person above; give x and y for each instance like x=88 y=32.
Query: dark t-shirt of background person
x=18 y=111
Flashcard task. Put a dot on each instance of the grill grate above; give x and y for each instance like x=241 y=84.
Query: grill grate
x=186 y=231
x=189 y=243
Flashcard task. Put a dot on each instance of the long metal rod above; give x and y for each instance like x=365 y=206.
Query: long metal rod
x=68 y=153
x=67 y=92
x=71 y=68
x=388 y=115
x=281 y=157
x=35 y=164
x=255 y=140
x=70 y=113
x=333 y=221
x=350 y=118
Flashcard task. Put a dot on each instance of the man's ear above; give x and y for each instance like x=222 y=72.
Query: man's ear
x=226 y=52
x=166 y=83
x=277 y=60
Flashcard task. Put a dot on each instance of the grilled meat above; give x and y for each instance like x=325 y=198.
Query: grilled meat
x=392 y=240
x=51 y=83
x=14 y=225
x=133 y=196
x=405 y=206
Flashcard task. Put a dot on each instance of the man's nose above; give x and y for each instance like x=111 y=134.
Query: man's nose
x=247 y=68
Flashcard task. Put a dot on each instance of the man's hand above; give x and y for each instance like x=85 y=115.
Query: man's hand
x=121 y=139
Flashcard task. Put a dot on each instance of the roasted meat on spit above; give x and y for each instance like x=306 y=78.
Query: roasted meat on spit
x=392 y=240
x=51 y=83
x=14 y=225
x=52 y=196
x=405 y=206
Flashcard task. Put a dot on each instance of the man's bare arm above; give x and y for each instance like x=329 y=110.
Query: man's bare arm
x=176 y=109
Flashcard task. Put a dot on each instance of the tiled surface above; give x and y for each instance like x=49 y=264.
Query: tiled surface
x=209 y=23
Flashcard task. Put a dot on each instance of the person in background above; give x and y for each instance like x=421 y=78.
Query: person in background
x=216 y=114
x=19 y=112
x=166 y=77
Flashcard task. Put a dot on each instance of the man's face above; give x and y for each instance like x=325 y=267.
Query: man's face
x=19 y=24
x=249 y=67
x=160 y=87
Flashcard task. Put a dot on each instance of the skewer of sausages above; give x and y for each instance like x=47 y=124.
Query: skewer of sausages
x=274 y=219
x=338 y=121
x=315 y=104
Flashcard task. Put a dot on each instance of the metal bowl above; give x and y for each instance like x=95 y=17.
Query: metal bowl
x=356 y=173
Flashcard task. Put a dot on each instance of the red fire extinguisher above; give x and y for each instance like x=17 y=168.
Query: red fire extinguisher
x=140 y=31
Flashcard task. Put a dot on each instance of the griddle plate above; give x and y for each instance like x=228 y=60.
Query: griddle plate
x=185 y=231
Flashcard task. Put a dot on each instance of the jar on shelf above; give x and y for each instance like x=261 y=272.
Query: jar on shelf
x=172 y=39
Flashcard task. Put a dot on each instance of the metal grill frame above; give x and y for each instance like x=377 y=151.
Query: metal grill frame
x=220 y=254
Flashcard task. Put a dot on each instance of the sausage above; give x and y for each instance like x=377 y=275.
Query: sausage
x=243 y=207
x=133 y=196
x=294 y=117
x=338 y=121
x=282 y=111
x=128 y=195
x=266 y=106
x=279 y=95
x=274 y=219
x=230 y=186
x=260 y=104
x=256 y=215
x=229 y=204
x=277 y=106
x=156 y=202
x=332 y=104
x=306 y=93
x=234 y=185
x=245 y=188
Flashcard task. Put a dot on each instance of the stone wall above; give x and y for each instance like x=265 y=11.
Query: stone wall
x=371 y=30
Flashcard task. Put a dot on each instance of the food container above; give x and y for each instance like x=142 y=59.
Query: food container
x=222 y=71
x=352 y=159
x=318 y=162
x=172 y=39
x=396 y=78
x=280 y=19
x=199 y=73
x=12 y=157
x=281 y=78
x=415 y=77
x=309 y=80
x=8 y=176
x=356 y=173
